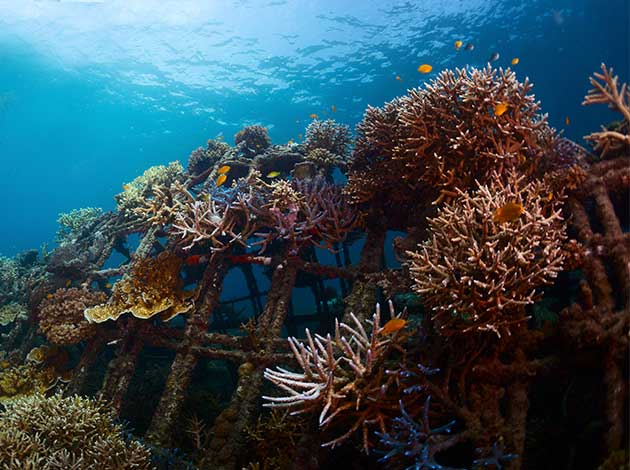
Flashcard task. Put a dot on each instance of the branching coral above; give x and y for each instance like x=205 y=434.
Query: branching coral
x=11 y=312
x=51 y=433
x=342 y=378
x=328 y=135
x=325 y=160
x=201 y=159
x=152 y=287
x=478 y=273
x=72 y=223
x=606 y=90
x=11 y=280
x=61 y=317
x=252 y=140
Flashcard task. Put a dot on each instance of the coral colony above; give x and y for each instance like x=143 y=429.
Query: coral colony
x=438 y=363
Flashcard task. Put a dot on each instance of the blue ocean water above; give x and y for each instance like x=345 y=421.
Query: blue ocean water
x=94 y=92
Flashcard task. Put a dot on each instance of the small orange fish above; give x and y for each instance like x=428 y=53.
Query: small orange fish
x=108 y=286
x=126 y=187
x=398 y=78
x=515 y=61
x=392 y=326
x=500 y=108
x=566 y=121
x=508 y=213
x=194 y=260
x=333 y=108
x=68 y=283
x=425 y=68
x=223 y=170
x=458 y=45
x=49 y=296
x=313 y=116
x=549 y=196
x=221 y=179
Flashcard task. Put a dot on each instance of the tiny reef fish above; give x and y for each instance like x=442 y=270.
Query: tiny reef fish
x=273 y=174
x=500 y=108
x=223 y=170
x=469 y=47
x=494 y=56
x=508 y=213
x=108 y=286
x=398 y=78
x=313 y=116
x=393 y=325
x=458 y=45
x=49 y=296
x=566 y=121
x=425 y=68
x=515 y=61
x=68 y=283
x=126 y=187
x=221 y=179
x=333 y=108
x=194 y=260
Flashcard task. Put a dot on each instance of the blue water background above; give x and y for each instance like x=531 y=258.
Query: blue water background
x=93 y=93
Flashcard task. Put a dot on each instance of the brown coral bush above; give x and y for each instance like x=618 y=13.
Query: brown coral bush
x=61 y=316
x=477 y=273
x=328 y=135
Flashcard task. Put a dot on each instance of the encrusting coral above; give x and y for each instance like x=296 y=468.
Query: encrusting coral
x=477 y=272
x=252 y=140
x=37 y=432
x=606 y=90
x=61 y=317
x=152 y=287
x=72 y=223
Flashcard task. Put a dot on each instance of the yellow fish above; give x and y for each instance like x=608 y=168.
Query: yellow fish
x=333 y=108
x=458 y=44
x=221 y=179
x=108 y=286
x=68 y=283
x=126 y=187
x=515 y=60
x=4 y=364
x=392 y=326
x=549 y=196
x=508 y=213
x=425 y=68
x=290 y=141
x=273 y=174
x=398 y=78
x=49 y=296
x=223 y=170
x=500 y=108
x=313 y=116
x=566 y=121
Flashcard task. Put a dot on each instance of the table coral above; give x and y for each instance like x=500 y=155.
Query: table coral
x=73 y=432
x=61 y=317
x=152 y=287
x=477 y=273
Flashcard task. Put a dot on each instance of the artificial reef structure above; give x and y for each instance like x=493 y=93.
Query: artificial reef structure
x=477 y=346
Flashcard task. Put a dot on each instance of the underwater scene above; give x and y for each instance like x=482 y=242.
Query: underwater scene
x=324 y=234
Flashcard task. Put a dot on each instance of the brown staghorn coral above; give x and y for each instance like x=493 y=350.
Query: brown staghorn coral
x=343 y=378
x=477 y=273
x=252 y=140
x=328 y=135
x=606 y=90
x=454 y=137
x=202 y=159
x=152 y=287
x=52 y=433
x=61 y=317
x=325 y=160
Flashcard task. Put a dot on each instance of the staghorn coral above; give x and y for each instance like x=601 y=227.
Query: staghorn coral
x=343 y=378
x=328 y=135
x=61 y=317
x=477 y=274
x=141 y=188
x=72 y=223
x=325 y=160
x=11 y=312
x=606 y=90
x=252 y=140
x=52 y=433
x=152 y=287
x=202 y=159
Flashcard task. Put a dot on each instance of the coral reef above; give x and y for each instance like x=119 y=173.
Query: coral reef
x=478 y=273
x=327 y=135
x=72 y=223
x=61 y=317
x=252 y=140
x=202 y=159
x=74 y=432
x=153 y=287
x=11 y=312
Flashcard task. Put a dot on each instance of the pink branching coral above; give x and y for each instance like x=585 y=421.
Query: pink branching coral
x=477 y=273
x=252 y=140
x=61 y=316
x=328 y=135
x=606 y=90
x=343 y=378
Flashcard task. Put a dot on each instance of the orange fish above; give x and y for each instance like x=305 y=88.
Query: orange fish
x=398 y=78
x=515 y=60
x=108 y=286
x=425 y=68
x=500 y=108
x=458 y=45
x=392 y=326
x=221 y=179
x=333 y=108
x=313 y=116
x=508 y=213
x=223 y=170
x=566 y=121
x=194 y=260
x=549 y=196
x=49 y=296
